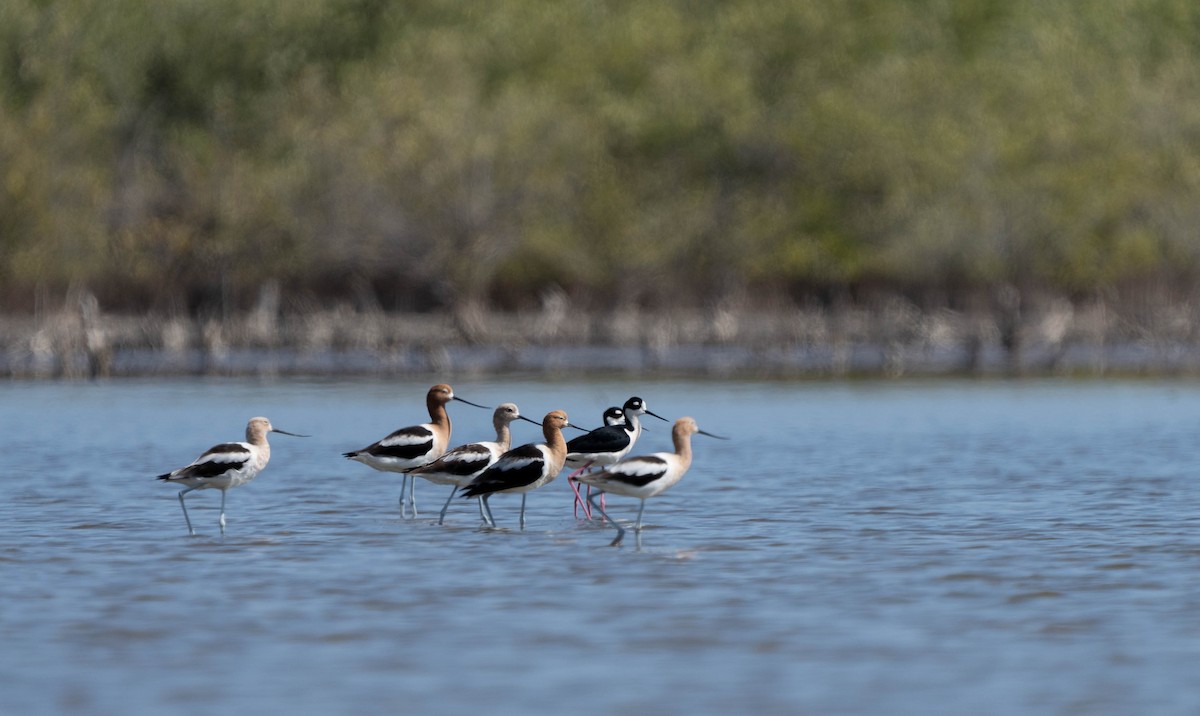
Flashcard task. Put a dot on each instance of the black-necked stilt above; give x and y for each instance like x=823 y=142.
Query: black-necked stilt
x=413 y=446
x=646 y=476
x=524 y=468
x=227 y=465
x=606 y=445
x=459 y=466
x=613 y=416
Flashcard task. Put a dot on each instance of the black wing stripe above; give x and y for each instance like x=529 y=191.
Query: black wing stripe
x=648 y=469
x=461 y=468
x=214 y=468
x=405 y=452
x=637 y=480
x=523 y=466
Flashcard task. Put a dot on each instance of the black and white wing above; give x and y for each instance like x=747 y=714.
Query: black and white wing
x=404 y=444
x=633 y=472
x=518 y=467
x=608 y=439
x=460 y=462
x=215 y=461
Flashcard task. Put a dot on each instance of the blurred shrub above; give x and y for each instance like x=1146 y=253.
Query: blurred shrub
x=173 y=155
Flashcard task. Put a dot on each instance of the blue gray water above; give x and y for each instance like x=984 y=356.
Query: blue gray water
x=939 y=547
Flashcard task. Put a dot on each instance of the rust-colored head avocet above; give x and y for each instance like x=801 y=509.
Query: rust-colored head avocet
x=525 y=468
x=413 y=446
x=459 y=466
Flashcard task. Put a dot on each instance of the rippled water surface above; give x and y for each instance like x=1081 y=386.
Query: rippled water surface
x=925 y=547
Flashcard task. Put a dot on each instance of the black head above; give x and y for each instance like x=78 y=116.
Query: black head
x=637 y=406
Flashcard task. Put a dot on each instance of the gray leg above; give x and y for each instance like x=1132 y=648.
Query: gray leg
x=222 y=519
x=481 y=515
x=637 y=527
x=453 y=492
x=486 y=510
x=412 y=495
x=589 y=499
x=523 y=496
x=611 y=521
x=403 y=494
x=187 y=519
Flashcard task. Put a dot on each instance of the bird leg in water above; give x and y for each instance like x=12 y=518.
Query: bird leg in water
x=187 y=519
x=408 y=485
x=485 y=510
x=589 y=495
x=637 y=526
x=611 y=521
x=453 y=492
x=579 y=501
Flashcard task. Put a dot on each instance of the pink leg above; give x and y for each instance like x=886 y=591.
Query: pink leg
x=579 y=501
x=589 y=503
x=575 y=488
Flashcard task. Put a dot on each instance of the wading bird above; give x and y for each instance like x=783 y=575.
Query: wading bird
x=413 y=446
x=606 y=445
x=646 y=476
x=459 y=466
x=227 y=465
x=524 y=468
x=613 y=416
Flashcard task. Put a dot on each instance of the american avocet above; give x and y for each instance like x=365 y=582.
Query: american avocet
x=226 y=465
x=606 y=445
x=459 y=466
x=413 y=446
x=646 y=476
x=524 y=468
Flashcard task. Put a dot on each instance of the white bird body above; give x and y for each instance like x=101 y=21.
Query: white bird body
x=458 y=466
x=642 y=477
x=223 y=466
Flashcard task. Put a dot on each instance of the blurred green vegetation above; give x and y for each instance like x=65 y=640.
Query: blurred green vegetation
x=173 y=155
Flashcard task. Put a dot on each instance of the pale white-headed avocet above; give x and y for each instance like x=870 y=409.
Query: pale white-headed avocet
x=227 y=465
x=646 y=476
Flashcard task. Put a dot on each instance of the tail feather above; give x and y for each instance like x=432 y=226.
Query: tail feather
x=165 y=476
x=474 y=490
x=350 y=455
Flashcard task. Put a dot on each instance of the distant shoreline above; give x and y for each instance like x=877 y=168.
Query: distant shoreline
x=894 y=339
